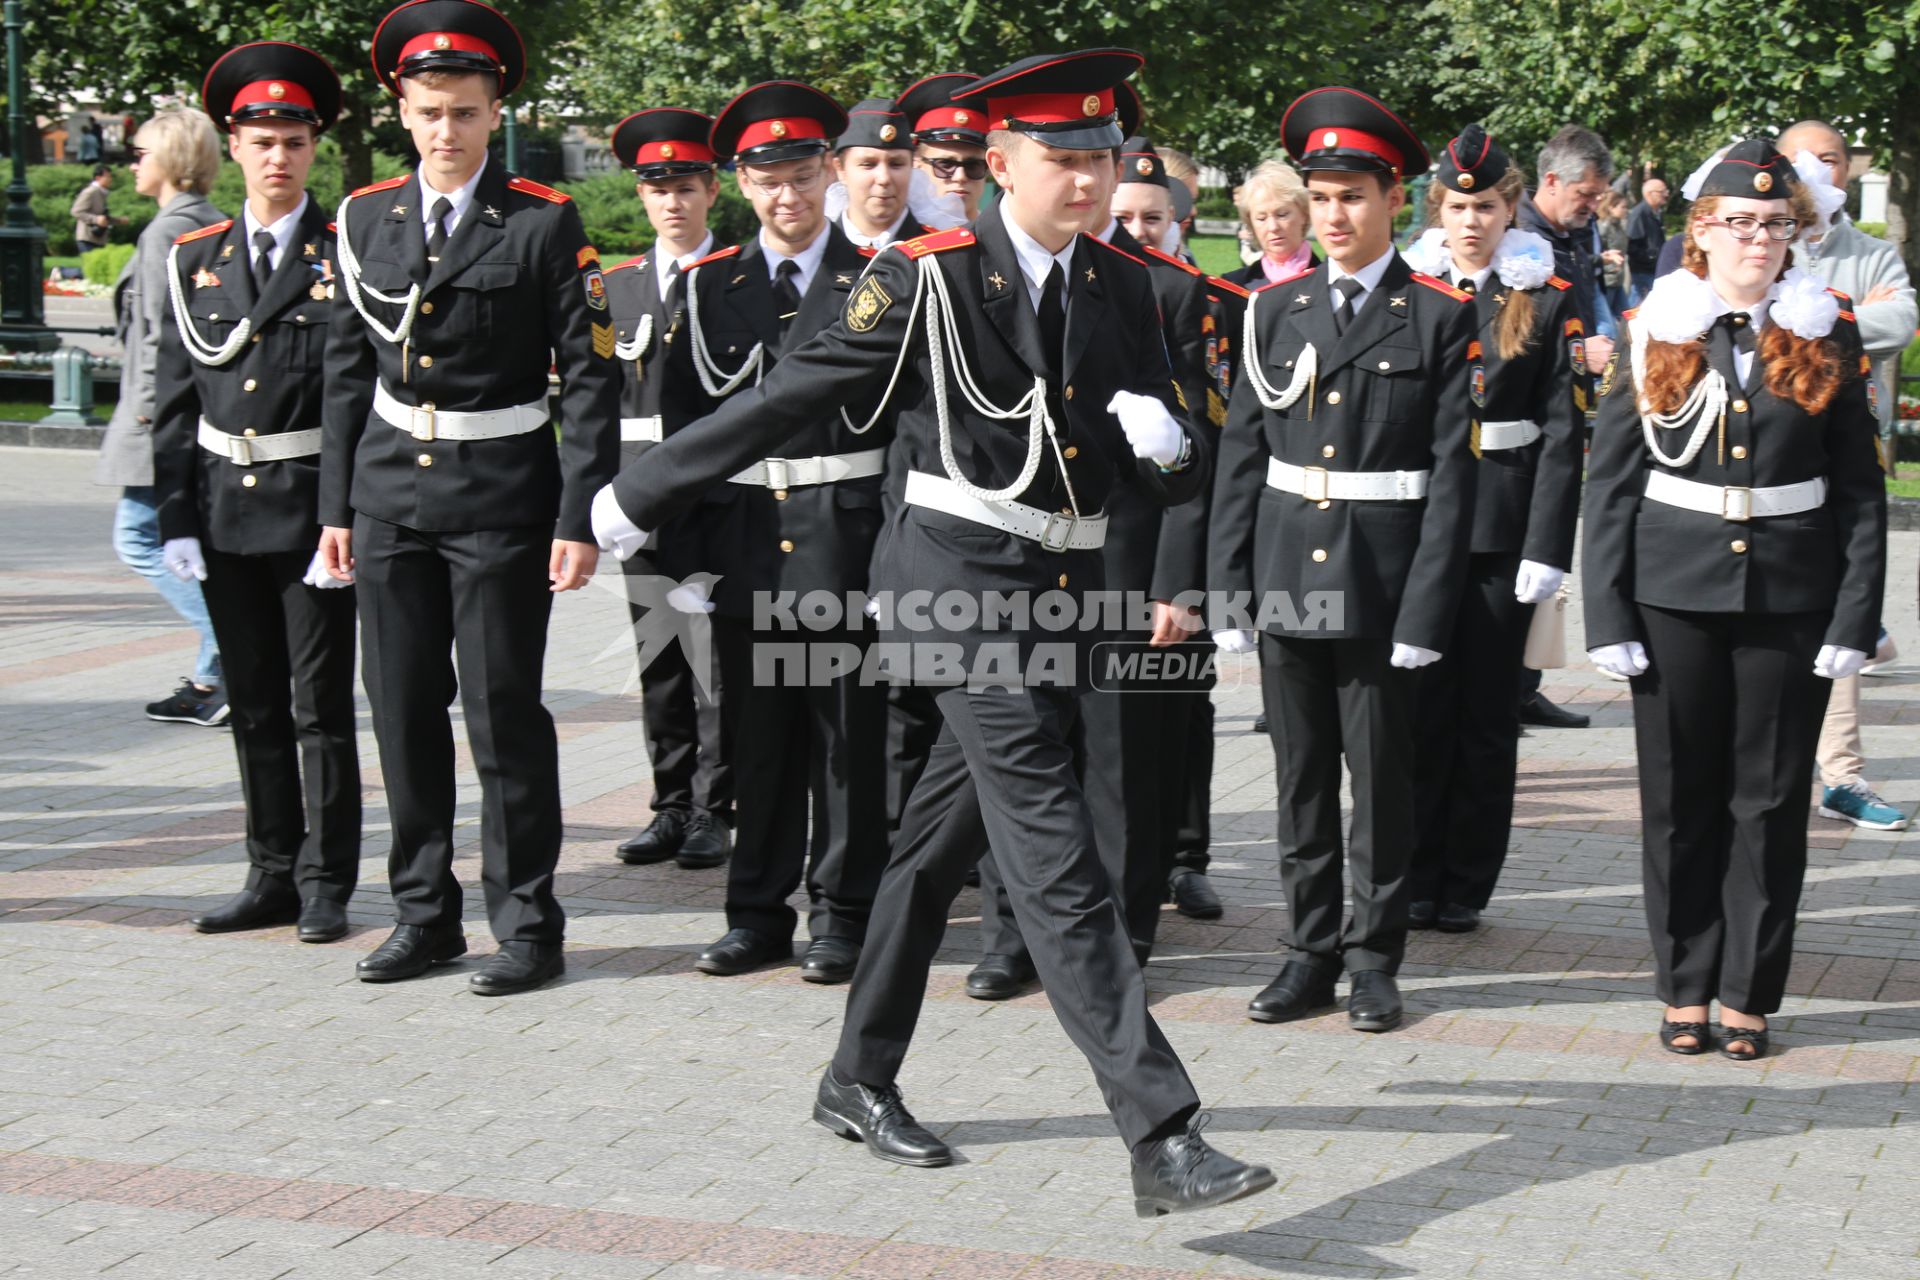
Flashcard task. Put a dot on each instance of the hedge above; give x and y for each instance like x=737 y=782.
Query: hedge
x=103 y=266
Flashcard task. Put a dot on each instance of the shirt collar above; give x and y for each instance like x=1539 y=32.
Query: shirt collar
x=1479 y=277
x=281 y=229
x=1035 y=261
x=1369 y=276
x=1756 y=314
x=686 y=259
x=807 y=260
x=880 y=241
x=462 y=199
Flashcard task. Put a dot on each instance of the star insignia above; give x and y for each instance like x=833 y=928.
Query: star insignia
x=1396 y=302
x=1499 y=299
x=997 y=280
x=840 y=279
x=1301 y=299
x=490 y=211
x=399 y=211
x=310 y=250
x=1089 y=275
x=226 y=251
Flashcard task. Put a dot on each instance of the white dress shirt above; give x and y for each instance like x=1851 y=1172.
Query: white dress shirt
x=663 y=278
x=1035 y=260
x=1757 y=318
x=1479 y=278
x=281 y=230
x=462 y=199
x=1368 y=276
x=808 y=259
x=880 y=241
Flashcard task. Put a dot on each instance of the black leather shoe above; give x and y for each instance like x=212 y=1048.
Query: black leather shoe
x=322 y=920
x=1181 y=1173
x=1454 y=918
x=410 y=950
x=1373 y=1002
x=880 y=1119
x=1536 y=710
x=249 y=910
x=829 y=960
x=660 y=841
x=743 y=951
x=707 y=844
x=1420 y=915
x=1000 y=977
x=1299 y=992
x=1193 y=895
x=1260 y=723
x=519 y=966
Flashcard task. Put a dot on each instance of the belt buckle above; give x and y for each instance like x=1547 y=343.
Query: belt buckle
x=240 y=451
x=779 y=475
x=1736 y=503
x=1065 y=523
x=1313 y=484
x=414 y=428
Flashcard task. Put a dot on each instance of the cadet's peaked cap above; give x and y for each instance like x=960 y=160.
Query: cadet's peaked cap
x=1139 y=162
x=1128 y=106
x=1472 y=162
x=775 y=121
x=448 y=35
x=930 y=110
x=1752 y=169
x=876 y=122
x=1065 y=100
x=664 y=142
x=1349 y=132
x=270 y=80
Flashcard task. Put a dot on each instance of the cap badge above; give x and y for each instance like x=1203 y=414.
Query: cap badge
x=276 y=90
x=1090 y=105
x=1763 y=181
x=1466 y=182
x=888 y=133
x=961 y=117
x=778 y=128
x=1330 y=139
x=443 y=42
x=666 y=151
x=1144 y=165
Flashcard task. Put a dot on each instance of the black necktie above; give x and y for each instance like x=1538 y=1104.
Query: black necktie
x=1053 y=314
x=1346 y=289
x=437 y=231
x=262 y=262
x=786 y=291
x=1740 y=327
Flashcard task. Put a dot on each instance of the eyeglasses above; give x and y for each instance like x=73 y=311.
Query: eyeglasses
x=944 y=167
x=1744 y=228
x=799 y=186
x=136 y=155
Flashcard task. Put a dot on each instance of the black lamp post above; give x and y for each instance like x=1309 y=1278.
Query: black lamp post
x=23 y=241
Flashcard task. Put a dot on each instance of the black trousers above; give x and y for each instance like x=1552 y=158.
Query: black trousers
x=913 y=724
x=1325 y=700
x=477 y=602
x=796 y=741
x=299 y=757
x=1726 y=720
x=1193 y=831
x=1001 y=773
x=1469 y=741
x=688 y=739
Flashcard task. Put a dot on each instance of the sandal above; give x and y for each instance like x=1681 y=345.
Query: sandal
x=1755 y=1038
x=1698 y=1030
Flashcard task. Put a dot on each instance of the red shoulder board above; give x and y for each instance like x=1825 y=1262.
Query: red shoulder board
x=867 y=251
x=379 y=186
x=921 y=246
x=1558 y=283
x=533 y=188
x=333 y=229
x=201 y=233
x=727 y=252
x=1846 y=315
x=1122 y=252
x=1844 y=299
x=1230 y=286
x=622 y=266
x=1187 y=267
x=1441 y=286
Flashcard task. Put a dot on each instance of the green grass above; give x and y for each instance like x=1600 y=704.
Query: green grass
x=29 y=411
x=1215 y=255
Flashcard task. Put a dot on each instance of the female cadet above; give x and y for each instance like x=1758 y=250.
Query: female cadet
x=1734 y=557
x=1530 y=446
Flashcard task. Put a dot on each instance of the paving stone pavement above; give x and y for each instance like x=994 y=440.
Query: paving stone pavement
x=174 y=1105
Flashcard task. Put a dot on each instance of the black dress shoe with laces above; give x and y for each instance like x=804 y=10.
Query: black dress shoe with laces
x=742 y=951
x=660 y=841
x=1536 y=710
x=1373 y=1002
x=1454 y=918
x=1420 y=915
x=322 y=920
x=829 y=960
x=410 y=950
x=519 y=966
x=250 y=910
x=879 y=1118
x=706 y=845
x=1000 y=977
x=1181 y=1173
x=1299 y=992
x=1193 y=895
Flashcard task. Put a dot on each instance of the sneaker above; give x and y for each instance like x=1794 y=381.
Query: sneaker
x=1883 y=657
x=1857 y=803
x=191 y=704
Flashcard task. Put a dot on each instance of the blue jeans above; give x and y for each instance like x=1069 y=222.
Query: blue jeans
x=136 y=540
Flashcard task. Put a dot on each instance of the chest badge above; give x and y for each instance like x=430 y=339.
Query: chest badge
x=205 y=279
x=998 y=281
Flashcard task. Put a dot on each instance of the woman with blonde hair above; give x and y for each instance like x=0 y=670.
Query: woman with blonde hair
x=1735 y=554
x=1273 y=210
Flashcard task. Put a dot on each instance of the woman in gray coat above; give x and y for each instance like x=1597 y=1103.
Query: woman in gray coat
x=176 y=157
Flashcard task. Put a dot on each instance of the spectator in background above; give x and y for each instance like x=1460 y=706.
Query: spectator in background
x=1273 y=211
x=88 y=146
x=176 y=157
x=1646 y=236
x=91 y=222
x=1612 y=226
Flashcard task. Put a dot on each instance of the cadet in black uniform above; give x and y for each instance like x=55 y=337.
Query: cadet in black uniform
x=801 y=521
x=873 y=162
x=1528 y=434
x=441 y=490
x=687 y=734
x=1735 y=553
x=236 y=437
x=1010 y=440
x=949 y=138
x=1342 y=510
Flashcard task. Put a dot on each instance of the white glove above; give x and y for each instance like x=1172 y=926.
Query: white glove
x=612 y=530
x=1234 y=641
x=1624 y=660
x=1537 y=582
x=1150 y=429
x=691 y=597
x=183 y=559
x=1837 y=662
x=318 y=578
x=1411 y=656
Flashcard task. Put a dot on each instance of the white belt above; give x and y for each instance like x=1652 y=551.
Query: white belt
x=1508 y=435
x=1050 y=529
x=245 y=450
x=634 y=430
x=1317 y=484
x=792 y=473
x=424 y=422
x=1735 y=502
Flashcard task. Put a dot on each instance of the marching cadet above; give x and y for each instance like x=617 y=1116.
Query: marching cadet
x=237 y=465
x=949 y=138
x=1342 y=511
x=873 y=161
x=1529 y=437
x=1010 y=439
x=687 y=733
x=791 y=524
x=1735 y=553
x=443 y=496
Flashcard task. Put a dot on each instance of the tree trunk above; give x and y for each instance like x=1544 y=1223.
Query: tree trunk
x=356 y=146
x=1903 y=186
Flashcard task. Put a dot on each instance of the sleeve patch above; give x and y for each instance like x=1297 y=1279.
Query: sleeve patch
x=587 y=255
x=1216 y=408
x=1606 y=375
x=1477 y=377
x=596 y=286
x=603 y=340
x=867 y=304
x=1181 y=396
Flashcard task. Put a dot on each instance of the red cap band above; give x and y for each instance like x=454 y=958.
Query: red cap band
x=951 y=118
x=1335 y=138
x=286 y=93
x=782 y=129
x=1051 y=108
x=670 y=152
x=440 y=41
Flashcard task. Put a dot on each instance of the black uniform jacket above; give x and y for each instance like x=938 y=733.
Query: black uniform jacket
x=1112 y=343
x=1392 y=395
x=517 y=291
x=272 y=385
x=1830 y=558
